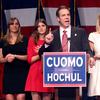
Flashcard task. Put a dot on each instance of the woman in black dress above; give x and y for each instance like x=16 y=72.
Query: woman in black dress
x=13 y=55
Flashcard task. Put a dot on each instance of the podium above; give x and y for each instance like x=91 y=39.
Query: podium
x=65 y=69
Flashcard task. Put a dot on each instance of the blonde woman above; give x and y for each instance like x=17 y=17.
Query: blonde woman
x=94 y=41
x=13 y=55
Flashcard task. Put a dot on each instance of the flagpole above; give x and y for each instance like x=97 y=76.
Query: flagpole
x=74 y=12
x=1 y=22
x=38 y=9
x=79 y=90
x=39 y=4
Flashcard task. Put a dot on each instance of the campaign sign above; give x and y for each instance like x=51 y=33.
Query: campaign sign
x=62 y=69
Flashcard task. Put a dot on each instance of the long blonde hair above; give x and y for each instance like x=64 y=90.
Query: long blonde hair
x=98 y=24
x=7 y=36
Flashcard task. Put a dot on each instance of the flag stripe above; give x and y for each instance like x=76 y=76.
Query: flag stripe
x=88 y=16
x=50 y=15
x=17 y=4
x=88 y=3
x=26 y=10
x=25 y=16
x=55 y=3
x=89 y=29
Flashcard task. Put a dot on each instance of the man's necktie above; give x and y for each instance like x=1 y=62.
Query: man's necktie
x=64 y=42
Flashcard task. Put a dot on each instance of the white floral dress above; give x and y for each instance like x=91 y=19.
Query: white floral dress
x=94 y=82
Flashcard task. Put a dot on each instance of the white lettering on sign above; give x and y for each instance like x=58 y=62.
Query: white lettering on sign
x=64 y=61
x=72 y=77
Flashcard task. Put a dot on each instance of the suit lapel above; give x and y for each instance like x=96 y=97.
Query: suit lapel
x=57 y=40
x=72 y=38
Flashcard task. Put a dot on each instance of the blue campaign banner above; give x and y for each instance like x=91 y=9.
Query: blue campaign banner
x=62 y=69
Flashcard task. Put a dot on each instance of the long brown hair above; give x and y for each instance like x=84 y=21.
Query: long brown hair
x=36 y=33
x=7 y=36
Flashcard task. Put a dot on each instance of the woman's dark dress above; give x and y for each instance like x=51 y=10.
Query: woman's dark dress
x=15 y=73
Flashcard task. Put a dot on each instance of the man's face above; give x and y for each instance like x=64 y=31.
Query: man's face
x=64 y=18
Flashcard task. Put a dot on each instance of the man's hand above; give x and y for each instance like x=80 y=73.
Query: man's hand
x=49 y=37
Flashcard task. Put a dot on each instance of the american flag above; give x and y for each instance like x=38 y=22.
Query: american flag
x=26 y=11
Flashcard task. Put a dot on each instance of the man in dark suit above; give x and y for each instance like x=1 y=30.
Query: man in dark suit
x=77 y=42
